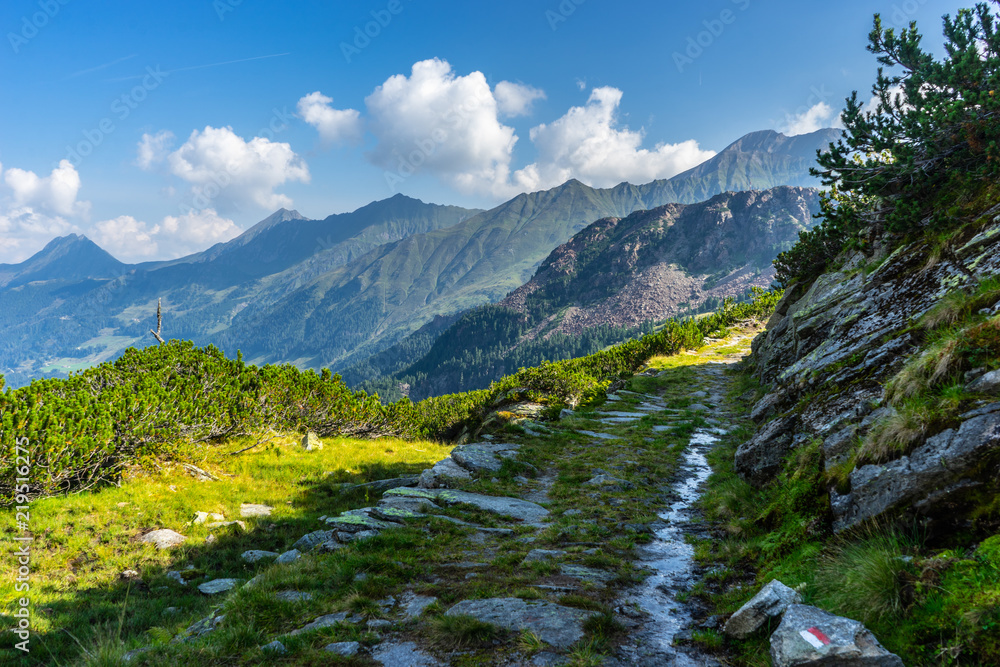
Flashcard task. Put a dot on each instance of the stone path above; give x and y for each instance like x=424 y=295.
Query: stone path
x=599 y=503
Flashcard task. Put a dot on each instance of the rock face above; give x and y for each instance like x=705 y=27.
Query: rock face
x=828 y=352
x=558 y=626
x=811 y=636
x=770 y=602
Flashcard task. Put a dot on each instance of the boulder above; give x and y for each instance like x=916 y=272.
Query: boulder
x=380 y=485
x=441 y=473
x=313 y=540
x=987 y=384
x=811 y=636
x=289 y=557
x=481 y=457
x=557 y=626
x=274 y=647
x=163 y=538
x=355 y=523
x=311 y=442
x=770 y=602
x=200 y=628
x=413 y=606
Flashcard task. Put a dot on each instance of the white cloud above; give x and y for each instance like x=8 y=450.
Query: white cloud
x=445 y=124
x=587 y=143
x=227 y=172
x=334 y=125
x=816 y=117
x=895 y=92
x=153 y=149
x=132 y=240
x=515 y=99
x=55 y=193
x=35 y=209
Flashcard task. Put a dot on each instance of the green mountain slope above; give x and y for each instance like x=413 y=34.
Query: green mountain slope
x=610 y=282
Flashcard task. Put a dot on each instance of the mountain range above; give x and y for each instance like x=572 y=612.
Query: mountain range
x=333 y=292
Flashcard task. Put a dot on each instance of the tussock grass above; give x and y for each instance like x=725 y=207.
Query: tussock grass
x=864 y=576
x=461 y=632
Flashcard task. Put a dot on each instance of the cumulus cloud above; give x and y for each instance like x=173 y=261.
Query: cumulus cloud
x=515 y=99
x=153 y=149
x=35 y=209
x=55 y=193
x=227 y=172
x=132 y=240
x=334 y=125
x=438 y=121
x=814 y=118
x=587 y=143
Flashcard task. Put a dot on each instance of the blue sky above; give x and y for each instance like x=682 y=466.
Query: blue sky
x=158 y=129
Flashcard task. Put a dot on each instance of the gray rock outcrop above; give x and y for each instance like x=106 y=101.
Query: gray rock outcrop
x=163 y=538
x=557 y=626
x=770 y=602
x=811 y=636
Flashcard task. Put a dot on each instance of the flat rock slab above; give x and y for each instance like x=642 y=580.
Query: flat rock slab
x=811 y=636
x=557 y=626
x=396 y=514
x=217 y=586
x=518 y=509
x=600 y=436
x=630 y=415
x=616 y=421
x=418 y=505
x=413 y=605
x=346 y=649
x=250 y=510
x=321 y=622
x=541 y=555
x=163 y=539
x=770 y=602
x=586 y=574
x=697 y=407
x=406 y=654
x=355 y=523
x=255 y=555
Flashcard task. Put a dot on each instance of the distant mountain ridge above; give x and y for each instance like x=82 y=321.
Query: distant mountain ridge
x=609 y=281
x=332 y=292
x=341 y=317
x=72 y=257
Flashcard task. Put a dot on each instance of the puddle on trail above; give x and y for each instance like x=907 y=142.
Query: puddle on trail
x=672 y=559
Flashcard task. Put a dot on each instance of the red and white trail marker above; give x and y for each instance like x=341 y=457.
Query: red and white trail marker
x=815 y=638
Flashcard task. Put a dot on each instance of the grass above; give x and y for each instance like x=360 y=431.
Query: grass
x=84 y=542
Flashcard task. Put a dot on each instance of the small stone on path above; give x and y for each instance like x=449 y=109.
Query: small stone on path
x=346 y=649
x=406 y=654
x=288 y=557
